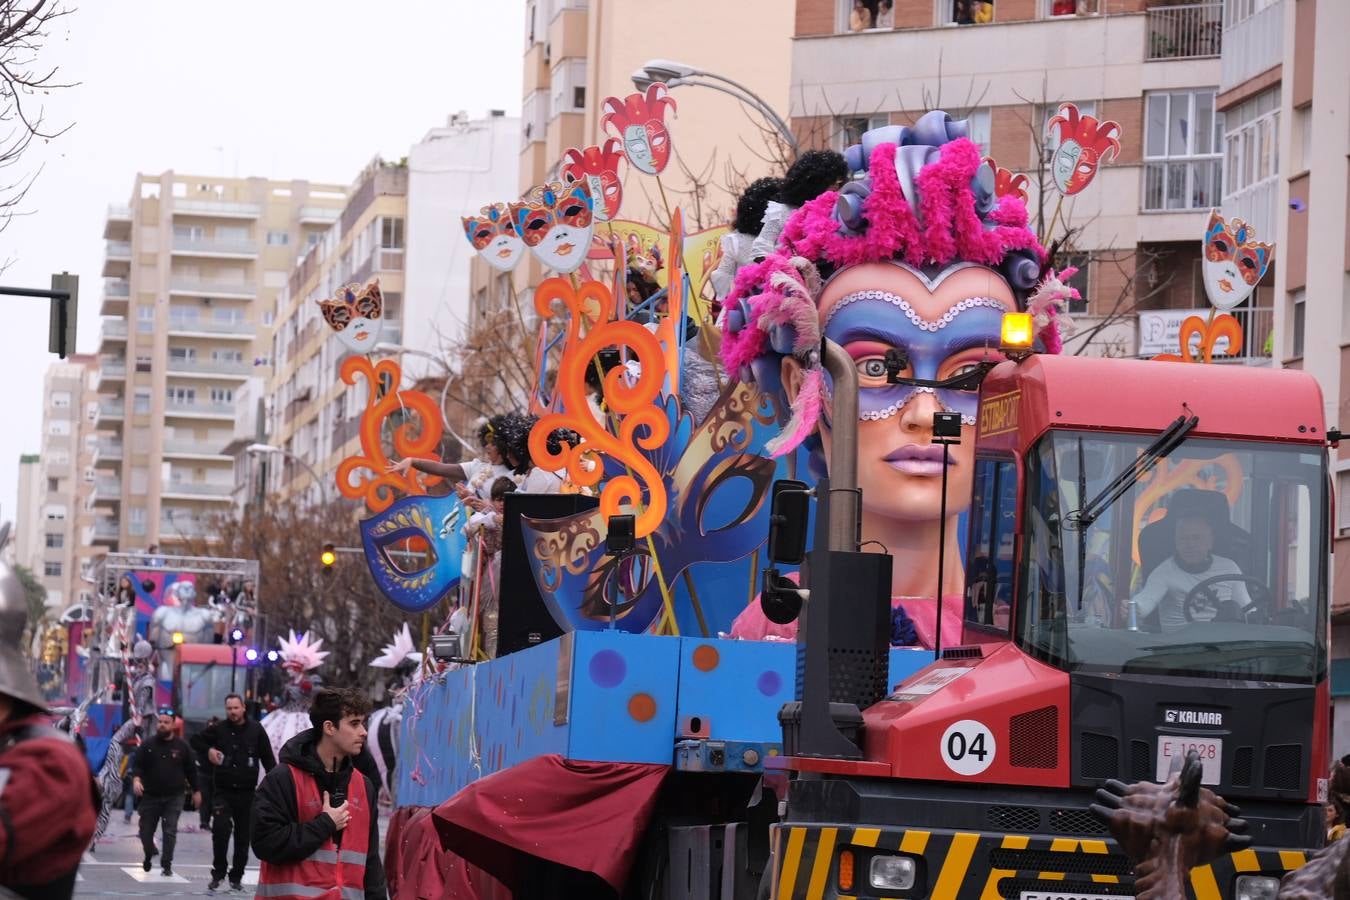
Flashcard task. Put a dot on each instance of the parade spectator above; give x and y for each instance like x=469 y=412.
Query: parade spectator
x=232 y=751
x=885 y=14
x=316 y=826
x=860 y=19
x=736 y=243
x=48 y=801
x=164 y=763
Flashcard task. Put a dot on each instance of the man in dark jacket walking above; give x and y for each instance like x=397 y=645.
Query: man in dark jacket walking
x=163 y=765
x=315 y=819
x=231 y=752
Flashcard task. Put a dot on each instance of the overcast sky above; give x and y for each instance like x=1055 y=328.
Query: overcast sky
x=275 y=88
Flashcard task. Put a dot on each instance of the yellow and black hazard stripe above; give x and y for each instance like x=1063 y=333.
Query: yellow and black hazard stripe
x=964 y=865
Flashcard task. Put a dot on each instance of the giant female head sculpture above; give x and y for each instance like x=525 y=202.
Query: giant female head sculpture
x=916 y=254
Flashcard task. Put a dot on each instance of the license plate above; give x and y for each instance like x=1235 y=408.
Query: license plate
x=1173 y=747
x=1042 y=895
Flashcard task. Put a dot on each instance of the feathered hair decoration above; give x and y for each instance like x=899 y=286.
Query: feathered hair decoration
x=401 y=650
x=1049 y=305
x=301 y=654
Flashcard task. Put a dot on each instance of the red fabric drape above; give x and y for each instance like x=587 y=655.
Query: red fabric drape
x=587 y=816
x=417 y=867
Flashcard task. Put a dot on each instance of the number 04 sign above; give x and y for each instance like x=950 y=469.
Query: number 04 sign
x=968 y=747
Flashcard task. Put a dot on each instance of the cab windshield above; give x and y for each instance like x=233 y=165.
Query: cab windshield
x=204 y=686
x=1212 y=563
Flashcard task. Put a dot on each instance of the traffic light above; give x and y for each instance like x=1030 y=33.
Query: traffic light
x=328 y=557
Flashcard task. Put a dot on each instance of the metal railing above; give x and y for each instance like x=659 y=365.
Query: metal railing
x=118 y=249
x=1188 y=31
x=217 y=208
x=116 y=287
x=1182 y=184
x=112 y=368
x=196 y=407
x=107 y=448
x=111 y=487
x=1255 y=205
x=215 y=245
x=319 y=214
x=1258 y=324
x=205 y=447
x=197 y=488
x=114 y=328
x=210 y=366
x=212 y=288
x=111 y=409
x=210 y=326
x=119 y=211
x=107 y=528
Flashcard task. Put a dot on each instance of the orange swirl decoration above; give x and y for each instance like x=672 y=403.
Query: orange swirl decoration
x=1223 y=326
x=633 y=406
x=419 y=437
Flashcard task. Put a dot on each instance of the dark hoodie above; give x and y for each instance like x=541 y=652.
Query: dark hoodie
x=279 y=838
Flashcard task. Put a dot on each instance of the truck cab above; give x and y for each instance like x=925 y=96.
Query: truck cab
x=1146 y=576
x=203 y=674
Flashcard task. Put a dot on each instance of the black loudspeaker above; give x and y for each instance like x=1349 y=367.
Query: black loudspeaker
x=523 y=619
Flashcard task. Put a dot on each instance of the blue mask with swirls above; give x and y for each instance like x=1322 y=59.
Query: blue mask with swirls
x=436 y=523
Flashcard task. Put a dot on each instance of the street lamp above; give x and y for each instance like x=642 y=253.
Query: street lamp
x=258 y=449
x=674 y=74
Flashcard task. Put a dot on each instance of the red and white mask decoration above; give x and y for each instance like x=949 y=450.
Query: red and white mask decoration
x=1079 y=144
x=493 y=236
x=1234 y=261
x=639 y=120
x=599 y=168
x=556 y=222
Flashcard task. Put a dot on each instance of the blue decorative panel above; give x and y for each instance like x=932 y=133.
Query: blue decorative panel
x=623 y=691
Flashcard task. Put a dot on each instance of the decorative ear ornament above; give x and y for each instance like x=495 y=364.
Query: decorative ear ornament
x=355 y=315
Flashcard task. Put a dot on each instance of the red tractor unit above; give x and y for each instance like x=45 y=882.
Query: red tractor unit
x=1146 y=576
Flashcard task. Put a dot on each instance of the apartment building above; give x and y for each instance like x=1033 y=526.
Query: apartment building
x=1285 y=90
x=192 y=270
x=57 y=486
x=1153 y=67
x=312 y=416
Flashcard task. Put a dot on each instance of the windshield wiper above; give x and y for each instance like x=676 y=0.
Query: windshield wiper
x=209 y=666
x=1082 y=519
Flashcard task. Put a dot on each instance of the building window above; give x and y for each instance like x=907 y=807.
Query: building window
x=1080 y=280
x=1300 y=312
x=228 y=356
x=1182 y=139
x=143 y=362
x=60 y=399
x=56 y=513
x=391 y=233
x=51 y=569
x=182 y=354
x=58 y=427
x=848 y=130
x=977 y=126
x=966 y=12
x=141 y=401
x=278 y=238
x=1238 y=11
x=1054 y=8
x=1343 y=501
x=222 y=395
x=53 y=485
x=567 y=76
x=1252 y=142
x=181 y=394
x=55 y=540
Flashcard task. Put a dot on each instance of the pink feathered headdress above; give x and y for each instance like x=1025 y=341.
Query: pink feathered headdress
x=928 y=198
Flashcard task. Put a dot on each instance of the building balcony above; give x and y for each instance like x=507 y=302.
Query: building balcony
x=184 y=525
x=199 y=409
x=195 y=287
x=116 y=294
x=1188 y=31
x=1180 y=185
x=1254 y=45
x=216 y=209
x=214 y=247
x=110 y=410
x=105 y=530
x=118 y=250
x=112 y=331
x=196 y=449
x=111 y=369
x=107 y=489
x=226 y=328
x=197 y=490
x=1255 y=205
x=107 y=451
x=319 y=215
x=210 y=368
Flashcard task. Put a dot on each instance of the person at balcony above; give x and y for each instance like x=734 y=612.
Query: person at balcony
x=736 y=244
x=885 y=14
x=860 y=19
x=809 y=176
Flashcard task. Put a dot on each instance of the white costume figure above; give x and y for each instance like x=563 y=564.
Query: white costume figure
x=140 y=723
x=193 y=621
x=402 y=657
x=298 y=657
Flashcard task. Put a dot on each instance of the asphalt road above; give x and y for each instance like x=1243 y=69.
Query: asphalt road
x=113 y=869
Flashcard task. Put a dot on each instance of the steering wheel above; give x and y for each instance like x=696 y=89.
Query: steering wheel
x=1200 y=597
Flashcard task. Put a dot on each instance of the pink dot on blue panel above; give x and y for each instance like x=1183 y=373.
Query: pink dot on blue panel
x=608 y=668
x=769 y=683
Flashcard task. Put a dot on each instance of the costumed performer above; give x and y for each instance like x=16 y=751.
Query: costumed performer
x=299 y=657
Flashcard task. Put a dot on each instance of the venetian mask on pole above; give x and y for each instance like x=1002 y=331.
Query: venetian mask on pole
x=1234 y=261
x=494 y=237
x=556 y=222
x=640 y=122
x=356 y=314
x=1078 y=144
x=598 y=167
